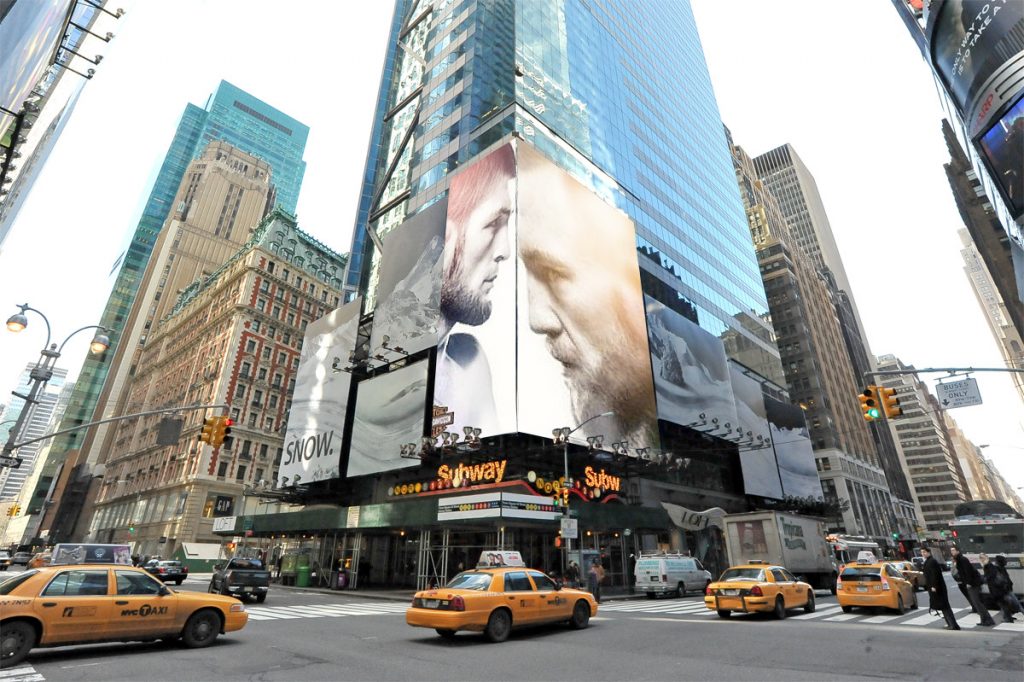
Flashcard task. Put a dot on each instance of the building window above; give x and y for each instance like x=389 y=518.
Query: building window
x=252 y=419
x=266 y=353
x=263 y=374
x=239 y=392
x=277 y=311
x=246 y=369
x=257 y=398
x=291 y=318
x=222 y=471
x=255 y=325
x=281 y=358
x=263 y=450
x=261 y=305
x=240 y=476
x=250 y=346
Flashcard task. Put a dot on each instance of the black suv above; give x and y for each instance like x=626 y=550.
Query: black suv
x=167 y=571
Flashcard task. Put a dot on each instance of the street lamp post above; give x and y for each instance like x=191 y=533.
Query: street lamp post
x=40 y=374
x=561 y=435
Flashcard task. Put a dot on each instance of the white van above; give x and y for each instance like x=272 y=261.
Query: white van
x=671 y=574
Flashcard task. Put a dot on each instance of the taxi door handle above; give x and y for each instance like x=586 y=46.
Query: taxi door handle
x=48 y=604
x=511 y=598
x=121 y=603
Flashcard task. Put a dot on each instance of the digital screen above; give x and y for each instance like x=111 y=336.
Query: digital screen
x=390 y=412
x=1002 y=146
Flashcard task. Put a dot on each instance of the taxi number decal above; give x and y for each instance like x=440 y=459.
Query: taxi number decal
x=78 y=611
x=145 y=610
x=16 y=602
x=557 y=600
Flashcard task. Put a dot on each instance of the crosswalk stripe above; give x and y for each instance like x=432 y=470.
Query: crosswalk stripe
x=924 y=619
x=843 y=616
x=820 y=612
x=881 y=619
x=24 y=673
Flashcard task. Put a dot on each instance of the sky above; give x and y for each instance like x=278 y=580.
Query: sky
x=848 y=89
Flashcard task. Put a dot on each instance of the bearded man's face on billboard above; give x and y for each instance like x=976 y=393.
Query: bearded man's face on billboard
x=584 y=294
x=476 y=237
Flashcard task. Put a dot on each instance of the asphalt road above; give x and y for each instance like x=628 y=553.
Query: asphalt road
x=315 y=636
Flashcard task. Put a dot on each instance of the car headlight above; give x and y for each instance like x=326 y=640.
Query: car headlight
x=237 y=607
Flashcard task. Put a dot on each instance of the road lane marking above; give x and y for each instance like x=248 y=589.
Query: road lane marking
x=844 y=616
x=820 y=612
x=885 y=618
x=24 y=673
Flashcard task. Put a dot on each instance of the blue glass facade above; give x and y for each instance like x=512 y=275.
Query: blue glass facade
x=231 y=115
x=617 y=93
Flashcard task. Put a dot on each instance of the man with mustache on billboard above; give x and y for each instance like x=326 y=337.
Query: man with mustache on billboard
x=476 y=243
x=584 y=296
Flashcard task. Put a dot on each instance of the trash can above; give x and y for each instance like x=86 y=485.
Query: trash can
x=302 y=576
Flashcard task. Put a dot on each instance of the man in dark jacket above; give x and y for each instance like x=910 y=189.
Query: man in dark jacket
x=971 y=579
x=938 y=599
x=996 y=586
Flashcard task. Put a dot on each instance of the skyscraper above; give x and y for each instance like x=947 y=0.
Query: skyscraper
x=11 y=480
x=467 y=80
x=230 y=115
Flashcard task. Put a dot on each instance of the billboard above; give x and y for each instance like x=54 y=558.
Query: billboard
x=691 y=372
x=582 y=333
x=30 y=33
x=409 y=289
x=1002 y=147
x=475 y=376
x=316 y=422
x=390 y=412
x=793 y=452
x=757 y=458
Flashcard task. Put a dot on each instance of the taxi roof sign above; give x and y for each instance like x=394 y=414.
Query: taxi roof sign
x=500 y=559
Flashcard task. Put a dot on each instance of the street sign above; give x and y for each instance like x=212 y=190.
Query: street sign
x=570 y=528
x=963 y=393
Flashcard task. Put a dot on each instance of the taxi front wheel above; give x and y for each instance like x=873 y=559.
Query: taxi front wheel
x=16 y=640
x=580 y=615
x=809 y=606
x=201 y=629
x=499 y=625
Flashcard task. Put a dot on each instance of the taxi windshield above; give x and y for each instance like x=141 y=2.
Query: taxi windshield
x=862 y=571
x=7 y=586
x=471 y=581
x=732 y=574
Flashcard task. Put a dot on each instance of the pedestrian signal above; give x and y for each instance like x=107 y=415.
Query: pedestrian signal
x=208 y=426
x=890 y=403
x=869 y=404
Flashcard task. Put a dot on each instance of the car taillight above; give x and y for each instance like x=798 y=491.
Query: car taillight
x=839 y=583
x=184 y=569
x=161 y=570
x=885 y=583
x=755 y=591
x=457 y=604
x=708 y=591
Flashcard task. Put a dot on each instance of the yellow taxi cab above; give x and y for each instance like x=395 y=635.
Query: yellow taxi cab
x=911 y=572
x=874 y=584
x=758 y=586
x=39 y=560
x=493 y=599
x=78 y=604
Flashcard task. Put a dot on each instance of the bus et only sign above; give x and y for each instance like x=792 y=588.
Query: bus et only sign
x=963 y=393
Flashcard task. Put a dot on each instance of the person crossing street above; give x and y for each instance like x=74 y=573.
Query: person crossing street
x=971 y=580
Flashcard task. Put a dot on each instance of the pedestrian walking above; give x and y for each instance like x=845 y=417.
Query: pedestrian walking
x=972 y=581
x=996 y=586
x=572 y=574
x=1010 y=597
x=938 y=598
x=594 y=578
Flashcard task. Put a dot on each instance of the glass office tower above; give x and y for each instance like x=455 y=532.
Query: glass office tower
x=616 y=93
x=231 y=115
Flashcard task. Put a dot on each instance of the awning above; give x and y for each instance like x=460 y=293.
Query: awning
x=207 y=551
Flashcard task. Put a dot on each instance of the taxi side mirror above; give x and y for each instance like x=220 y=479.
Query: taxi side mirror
x=558 y=586
x=164 y=591
x=219 y=567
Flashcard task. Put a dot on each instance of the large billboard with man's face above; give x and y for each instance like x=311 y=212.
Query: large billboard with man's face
x=316 y=422
x=582 y=334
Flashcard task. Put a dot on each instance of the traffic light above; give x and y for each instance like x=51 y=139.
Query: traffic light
x=565 y=496
x=221 y=432
x=14 y=510
x=556 y=499
x=869 y=404
x=131 y=530
x=890 y=403
x=209 y=424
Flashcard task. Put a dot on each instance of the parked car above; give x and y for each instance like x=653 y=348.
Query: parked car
x=85 y=604
x=5 y=559
x=167 y=571
x=241 y=578
x=669 y=574
x=21 y=558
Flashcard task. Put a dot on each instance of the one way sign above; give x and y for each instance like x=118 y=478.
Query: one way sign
x=963 y=393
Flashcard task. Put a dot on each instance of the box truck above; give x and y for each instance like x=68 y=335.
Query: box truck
x=790 y=540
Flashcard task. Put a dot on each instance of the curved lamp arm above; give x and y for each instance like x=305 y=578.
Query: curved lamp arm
x=82 y=329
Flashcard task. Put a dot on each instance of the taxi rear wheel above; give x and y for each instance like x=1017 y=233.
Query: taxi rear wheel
x=809 y=606
x=900 y=606
x=499 y=625
x=201 y=629
x=847 y=609
x=16 y=640
x=780 y=608
x=446 y=634
x=580 y=615
x=722 y=613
